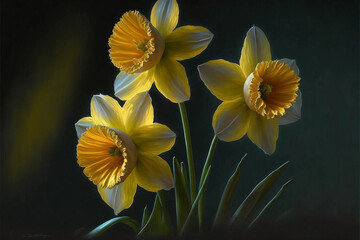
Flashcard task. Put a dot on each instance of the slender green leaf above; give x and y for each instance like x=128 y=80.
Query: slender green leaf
x=165 y=212
x=156 y=225
x=208 y=159
x=184 y=177
x=106 y=225
x=204 y=171
x=189 y=152
x=270 y=203
x=222 y=215
x=194 y=205
x=247 y=206
x=182 y=198
x=145 y=216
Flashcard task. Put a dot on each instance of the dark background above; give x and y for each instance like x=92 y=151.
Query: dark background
x=54 y=57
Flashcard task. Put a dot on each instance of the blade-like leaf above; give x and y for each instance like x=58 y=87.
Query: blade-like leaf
x=106 y=225
x=247 y=206
x=194 y=205
x=156 y=225
x=204 y=171
x=182 y=198
x=165 y=212
x=270 y=203
x=185 y=177
x=145 y=216
x=222 y=215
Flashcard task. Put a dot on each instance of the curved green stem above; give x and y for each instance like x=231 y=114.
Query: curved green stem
x=189 y=152
x=108 y=224
x=204 y=171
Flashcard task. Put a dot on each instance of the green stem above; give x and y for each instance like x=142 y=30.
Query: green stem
x=189 y=152
x=204 y=171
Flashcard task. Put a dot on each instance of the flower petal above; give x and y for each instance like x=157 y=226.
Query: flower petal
x=127 y=86
x=121 y=196
x=171 y=80
x=256 y=49
x=82 y=125
x=187 y=42
x=154 y=138
x=264 y=133
x=231 y=120
x=138 y=111
x=293 y=113
x=153 y=173
x=164 y=16
x=106 y=111
x=224 y=79
x=292 y=64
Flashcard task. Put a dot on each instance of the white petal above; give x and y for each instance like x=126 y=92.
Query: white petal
x=82 y=125
x=292 y=64
x=106 y=111
x=293 y=113
x=127 y=86
x=121 y=196
x=164 y=16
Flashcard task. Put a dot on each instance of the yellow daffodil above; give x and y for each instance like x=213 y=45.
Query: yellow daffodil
x=258 y=95
x=148 y=52
x=119 y=147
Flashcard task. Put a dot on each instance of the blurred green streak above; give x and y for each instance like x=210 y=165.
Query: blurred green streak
x=36 y=113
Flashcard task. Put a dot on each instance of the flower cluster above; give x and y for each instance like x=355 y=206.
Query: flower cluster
x=119 y=146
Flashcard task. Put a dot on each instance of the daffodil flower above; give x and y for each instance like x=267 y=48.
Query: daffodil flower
x=119 y=147
x=258 y=95
x=148 y=52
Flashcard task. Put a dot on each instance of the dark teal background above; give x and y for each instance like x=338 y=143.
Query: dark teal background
x=54 y=57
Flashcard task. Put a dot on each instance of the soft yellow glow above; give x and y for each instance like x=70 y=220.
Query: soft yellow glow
x=271 y=89
x=104 y=155
x=135 y=45
x=37 y=116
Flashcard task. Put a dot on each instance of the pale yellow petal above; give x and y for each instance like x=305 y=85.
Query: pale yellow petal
x=154 y=138
x=106 y=111
x=256 y=49
x=164 y=16
x=187 y=42
x=121 y=196
x=153 y=173
x=171 y=80
x=138 y=111
x=224 y=79
x=82 y=125
x=231 y=120
x=292 y=64
x=264 y=133
x=293 y=113
x=127 y=86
